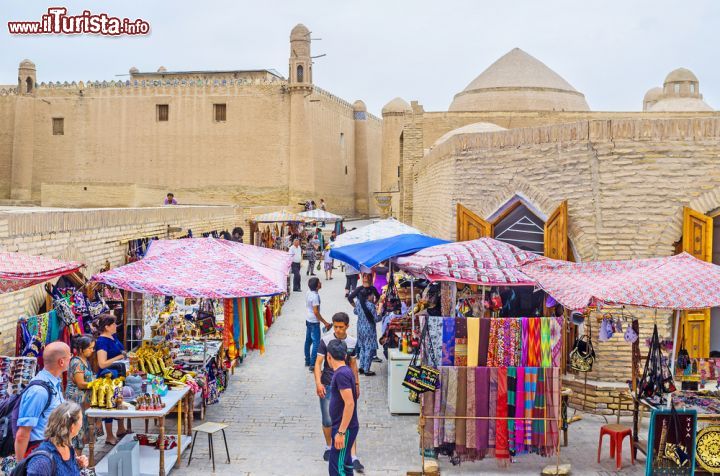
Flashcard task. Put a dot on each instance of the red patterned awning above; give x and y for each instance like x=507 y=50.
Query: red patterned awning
x=19 y=271
x=675 y=282
x=484 y=261
x=203 y=267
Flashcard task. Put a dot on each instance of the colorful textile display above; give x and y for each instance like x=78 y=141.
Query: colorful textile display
x=502 y=342
x=461 y=347
x=448 y=341
x=473 y=341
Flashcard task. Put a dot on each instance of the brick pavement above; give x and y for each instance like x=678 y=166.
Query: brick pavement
x=275 y=420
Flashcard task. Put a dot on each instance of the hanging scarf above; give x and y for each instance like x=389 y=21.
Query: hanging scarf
x=448 y=350
x=482 y=397
x=461 y=411
x=450 y=401
x=538 y=427
x=520 y=411
x=545 y=344
x=511 y=398
x=534 y=357
x=552 y=395
x=495 y=348
x=513 y=343
x=492 y=408
x=471 y=428
x=434 y=341
x=473 y=338
x=556 y=325
x=438 y=410
x=501 y=424
x=228 y=342
x=530 y=385
x=525 y=349
x=428 y=408
x=236 y=325
x=461 y=350
x=484 y=342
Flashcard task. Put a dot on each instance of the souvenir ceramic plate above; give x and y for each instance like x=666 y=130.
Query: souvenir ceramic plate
x=707 y=449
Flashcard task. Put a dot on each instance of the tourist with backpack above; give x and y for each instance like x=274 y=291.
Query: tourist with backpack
x=42 y=395
x=56 y=456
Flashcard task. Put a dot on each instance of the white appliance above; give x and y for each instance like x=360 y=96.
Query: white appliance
x=398 y=401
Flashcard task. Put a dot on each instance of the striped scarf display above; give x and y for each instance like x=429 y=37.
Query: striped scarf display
x=545 y=345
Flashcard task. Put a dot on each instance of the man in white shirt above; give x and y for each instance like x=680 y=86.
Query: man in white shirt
x=296 y=253
x=313 y=319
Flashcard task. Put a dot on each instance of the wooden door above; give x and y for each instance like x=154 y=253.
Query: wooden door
x=556 y=247
x=697 y=240
x=556 y=233
x=470 y=226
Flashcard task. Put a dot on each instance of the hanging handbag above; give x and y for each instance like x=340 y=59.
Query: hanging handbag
x=421 y=378
x=582 y=356
x=64 y=311
x=683 y=357
x=676 y=451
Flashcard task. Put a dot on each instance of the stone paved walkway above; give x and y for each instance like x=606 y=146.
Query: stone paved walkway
x=275 y=420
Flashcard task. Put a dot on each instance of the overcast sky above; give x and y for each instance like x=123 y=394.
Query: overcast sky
x=612 y=51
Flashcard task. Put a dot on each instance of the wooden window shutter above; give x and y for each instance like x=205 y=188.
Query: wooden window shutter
x=58 y=125
x=220 y=112
x=556 y=233
x=470 y=226
x=697 y=240
x=163 y=112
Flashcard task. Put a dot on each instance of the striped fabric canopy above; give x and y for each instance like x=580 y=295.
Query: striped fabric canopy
x=320 y=215
x=674 y=282
x=203 y=267
x=483 y=261
x=279 y=217
x=19 y=271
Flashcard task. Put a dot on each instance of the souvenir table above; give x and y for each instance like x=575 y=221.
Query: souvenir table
x=151 y=460
x=705 y=402
x=204 y=357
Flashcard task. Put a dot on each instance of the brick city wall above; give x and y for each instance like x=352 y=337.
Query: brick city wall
x=114 y=143
x=91 y=237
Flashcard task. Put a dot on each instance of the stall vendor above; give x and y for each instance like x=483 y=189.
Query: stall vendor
x=109 y=352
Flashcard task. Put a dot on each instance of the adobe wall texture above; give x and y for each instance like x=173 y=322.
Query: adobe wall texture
x=114 y=150
x=91 y=237
x=7 y=126
x=626 y=182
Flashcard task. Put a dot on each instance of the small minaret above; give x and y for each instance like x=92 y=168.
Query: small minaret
x=27 y=77
x=300 y=60
x=23 y=134
x=301 y=176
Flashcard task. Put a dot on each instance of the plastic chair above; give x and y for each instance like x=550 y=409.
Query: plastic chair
x=617 y=434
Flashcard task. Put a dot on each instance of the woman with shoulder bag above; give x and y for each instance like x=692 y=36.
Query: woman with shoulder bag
x=80 y=374
x=364 y=298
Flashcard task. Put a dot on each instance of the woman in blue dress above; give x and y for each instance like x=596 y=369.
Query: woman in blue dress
x=364 y=299
x=110 y=351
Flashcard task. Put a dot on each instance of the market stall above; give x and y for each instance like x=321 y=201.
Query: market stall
x=205 y=303
x=19 y=271
x=679 y=282
x=278 y=228
x=319 y=215
x=499 y=387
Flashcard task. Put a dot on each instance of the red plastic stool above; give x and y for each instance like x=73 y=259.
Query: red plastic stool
x=617 y=434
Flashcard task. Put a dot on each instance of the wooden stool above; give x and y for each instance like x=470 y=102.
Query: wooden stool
x=210 y=428
x=617 y=434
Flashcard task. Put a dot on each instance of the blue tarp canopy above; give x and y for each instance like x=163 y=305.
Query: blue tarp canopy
x=366 y=255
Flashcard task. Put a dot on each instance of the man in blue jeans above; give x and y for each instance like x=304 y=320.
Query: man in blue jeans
x=313 y=318
x=323 y=379
x=343 y=410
